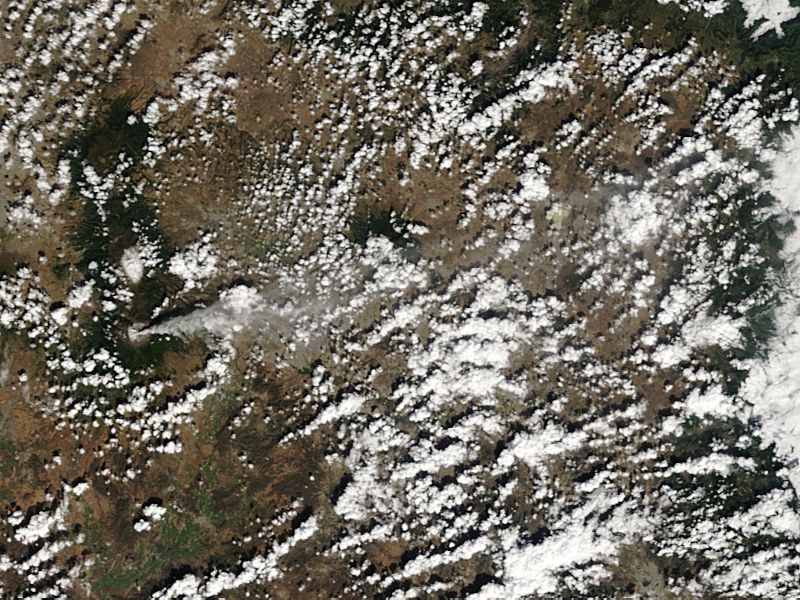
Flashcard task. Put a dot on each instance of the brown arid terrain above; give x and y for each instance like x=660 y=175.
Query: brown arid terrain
x=398 y=299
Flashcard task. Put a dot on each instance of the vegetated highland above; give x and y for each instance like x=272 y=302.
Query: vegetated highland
x=398 y=299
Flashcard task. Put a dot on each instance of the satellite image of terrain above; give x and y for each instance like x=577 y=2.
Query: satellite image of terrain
x=399 y=299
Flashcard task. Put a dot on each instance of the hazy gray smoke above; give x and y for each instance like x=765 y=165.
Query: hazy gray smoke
x=239 y=308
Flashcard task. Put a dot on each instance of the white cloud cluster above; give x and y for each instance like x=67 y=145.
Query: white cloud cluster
x=768 y=15
x=44 y=536
x=260 y=568
x=195 y=263
x=773 y=386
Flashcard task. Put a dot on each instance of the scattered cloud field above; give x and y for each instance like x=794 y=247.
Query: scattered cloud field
x=481 y=300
